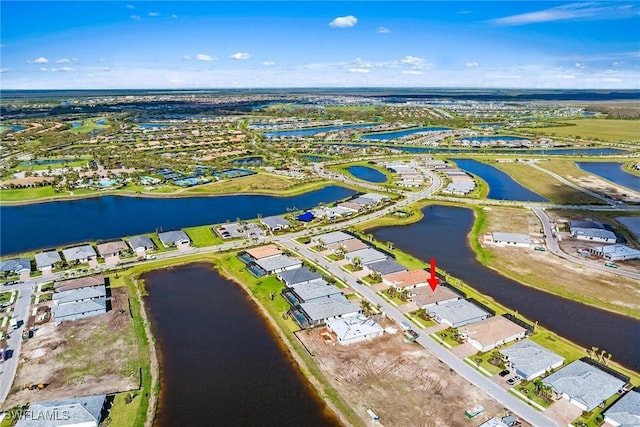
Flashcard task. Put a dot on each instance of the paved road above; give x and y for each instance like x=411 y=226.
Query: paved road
x=554 y=248
x=8 y=367
x=526 y=412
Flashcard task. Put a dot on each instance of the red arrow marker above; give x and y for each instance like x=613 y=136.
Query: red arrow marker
x=433 y=281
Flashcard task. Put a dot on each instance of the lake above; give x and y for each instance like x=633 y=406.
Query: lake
x=613 y=172
x=243 y=161
x=399 y=134
x=44 y=225
x=154 y=125
x=501 y=185
x=220 y=364
x=493 y=138
x=312 y=131
x=367 y=174
x=602 y=151
x=443 y=235
x=40 y=162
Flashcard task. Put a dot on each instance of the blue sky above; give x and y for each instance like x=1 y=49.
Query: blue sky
x=208 y=44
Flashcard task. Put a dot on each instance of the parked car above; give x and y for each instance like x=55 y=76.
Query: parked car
x=10 y=282
x=514 y=380
x=504 y=373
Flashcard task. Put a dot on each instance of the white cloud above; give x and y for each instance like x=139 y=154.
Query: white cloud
x=471 y=64
x=3 y=70
x=43 y=68
x=41 y=60
x=413 y=61
x=618 y=63
x=174 y=16
x=580 y=65
x=153 y=14
x=206 y=58
x=412 y=72
x=573 y=11
x=135 y=17
x=383 y=30
x=63 y=69
x=358 y=70
x=66 y=60
x=269 y=63
x=186 y=57
x=344 y=21
x=130 y=6
x=240 y=55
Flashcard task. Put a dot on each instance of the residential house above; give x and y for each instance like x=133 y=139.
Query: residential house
x=312 y=291
x=46 y=261
x=424 y=297
x=76 y=412
x=511 y=239
x=406 y=279
x=79 y=298
x=299 y=276
x=263 y=252
x=330 y=238
x=141 y=244
x=386 y=266
x=81 y=254
x=277 y=264
x=363 y=201
x=531 y=360
x=174 y=238
x=111 y=251
x=346 y=246
x=275 y=223
x=375 y=197
x=19 y=266
x=456 y=313
x=615 y=252
x=492 y=332
x=366 y=256
x=353 y=207
x=591 y=231
x=626 y=411
x=319 y=311
x=354 y=329
x=585 y=385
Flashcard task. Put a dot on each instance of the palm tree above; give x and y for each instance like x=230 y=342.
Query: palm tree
x=390 y=245
x=321 y=244
x=356 y=261
x=606 y=362
x=594 y=352
x=601 y=356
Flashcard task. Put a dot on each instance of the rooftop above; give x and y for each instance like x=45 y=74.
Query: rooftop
x=169 y=238
x=458 y=312
x=15 y=265
x=81 y=282
x=530 y=357
x=112 y=247
x=626 y=411
x=141 y=241
x=84 y=411
x=78 y=252
x=511 y=237
x=322 y=309
x=386 y=266
x=584 y=383
x=277 y=262
x=275 y=222
x=299 y=275
x=403 y=279
x=314 y=290
x=45 y=259
x=73 y=295
x=80 y=307
x=425 y=296
x=491 y=330
x=348 y=328
x=366 y=256
x=348 y=245
x=264 y=251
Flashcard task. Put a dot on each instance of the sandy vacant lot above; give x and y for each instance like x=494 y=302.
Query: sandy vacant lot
x=606 y=188
x=402 y=382
x=78 y=358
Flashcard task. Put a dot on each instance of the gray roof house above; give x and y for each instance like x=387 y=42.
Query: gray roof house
x=275 y=222
x=79 y=298
x=278 y=263
x=141 y=243
x=308 y=292
x=82 y=294
x=386 y=266
x=511 y=239
x=299 y=276
x=626 y=411
x=79 y=253
x=45 y=260
x=80 y=309
x=15 y=265
x=174 y=238
x=81 y=411
x=375 y=197
x=530 y=360
x=584 y=385
x=319 y=311
x=333 y=237
x=366 y=256
x=457 y=313
x=363 y=201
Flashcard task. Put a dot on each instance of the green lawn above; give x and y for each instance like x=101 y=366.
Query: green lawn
x=419 y=320
x=123 y=414
x=445 y=335
x=203 y=236
x=483 y=360
x=528 y=389
x=87 y=126
x=602 y=129
x=5 y=297
x=32 y=193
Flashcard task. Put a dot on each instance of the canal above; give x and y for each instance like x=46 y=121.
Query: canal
x=368 y=174
x=52 y=224
x=220 y=364
x=442 y=234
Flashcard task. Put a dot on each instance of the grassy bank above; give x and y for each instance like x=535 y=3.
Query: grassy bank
x=343 y=168
x=598 y=129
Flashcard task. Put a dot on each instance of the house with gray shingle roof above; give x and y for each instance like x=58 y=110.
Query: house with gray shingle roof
x=174 y=238
x=626 y=411
x=275 y=222
x=141 y=244
x=79 y=298
x=47 y=260
x=530 y=360
x=456 y=313
x=18 y=266
x=292 y=278
x=584 y=385
x=81 y=254
x=80 y=411
x=318 y=311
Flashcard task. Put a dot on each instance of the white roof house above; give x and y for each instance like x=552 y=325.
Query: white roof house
x=275 y=222
x=626 y=411
x=278 y=263
x=530 y=360
x=45 y=260
x=366 y=256
x=79 y=253
x=321 y=310
x=354 y=329
x=487 y=334
x=174 y=238
x=511 y=239
x=616 y=252
x=584 y=385
x=78 y=412
x=457 y=313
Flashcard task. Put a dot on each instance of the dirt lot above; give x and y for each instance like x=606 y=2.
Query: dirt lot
x=545 y=270
x=605 y=188
x=83 y=357
x=403 y=383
